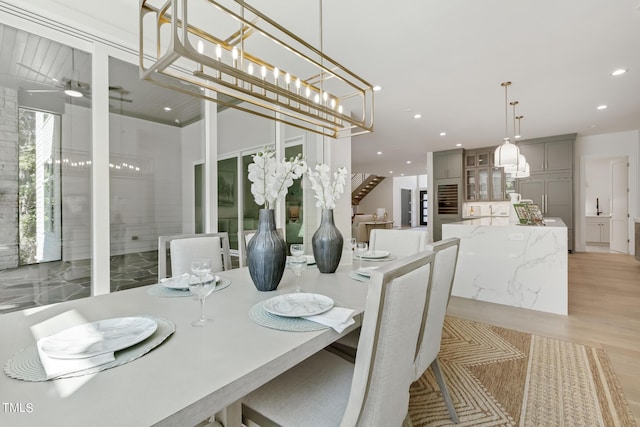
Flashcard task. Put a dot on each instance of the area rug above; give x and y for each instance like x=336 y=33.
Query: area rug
x=501 y=377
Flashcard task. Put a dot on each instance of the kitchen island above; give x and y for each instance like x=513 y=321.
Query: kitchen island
x=506 y=263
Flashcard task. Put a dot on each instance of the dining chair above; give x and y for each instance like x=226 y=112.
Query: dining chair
x=326 y=390
x=246 y=236
x=444 y=268
x=399 y=242
x=183 y=248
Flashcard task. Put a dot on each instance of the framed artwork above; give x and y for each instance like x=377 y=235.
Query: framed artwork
x=226 y=187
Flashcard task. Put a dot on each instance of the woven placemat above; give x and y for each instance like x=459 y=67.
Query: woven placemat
x=25 y=364
x=262 y=317
x=159 y=290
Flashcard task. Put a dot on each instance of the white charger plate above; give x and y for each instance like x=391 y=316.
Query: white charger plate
x=375 y=254
x=95 y=338
x=298 y=304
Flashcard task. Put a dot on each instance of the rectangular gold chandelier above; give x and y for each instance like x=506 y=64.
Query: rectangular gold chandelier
x=257 y=66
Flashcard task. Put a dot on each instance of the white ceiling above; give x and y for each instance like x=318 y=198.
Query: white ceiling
x=446 y=59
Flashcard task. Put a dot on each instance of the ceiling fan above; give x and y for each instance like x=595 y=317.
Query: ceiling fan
x=72 y=87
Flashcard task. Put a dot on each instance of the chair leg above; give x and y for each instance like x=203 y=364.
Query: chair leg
x=445 y=391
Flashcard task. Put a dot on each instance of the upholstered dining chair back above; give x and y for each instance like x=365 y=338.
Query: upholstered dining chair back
x=444 y=268
x=246 y=236
x=388 y=338
x=327 y=390
x=399 y=242
x=183 y=248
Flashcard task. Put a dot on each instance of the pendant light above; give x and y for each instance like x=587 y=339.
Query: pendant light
x=526 y=172
x=507 y=153
x=519 y=166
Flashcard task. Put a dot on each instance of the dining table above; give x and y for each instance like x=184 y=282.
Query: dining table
x=195 y=373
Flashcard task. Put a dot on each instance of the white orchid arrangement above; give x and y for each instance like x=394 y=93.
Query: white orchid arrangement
x=327 y=192
x=271 y=178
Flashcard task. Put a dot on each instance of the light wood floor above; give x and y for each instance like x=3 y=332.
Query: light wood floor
x=604 y=311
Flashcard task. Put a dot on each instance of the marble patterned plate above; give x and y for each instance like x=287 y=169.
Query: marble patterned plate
x=375 y=254
x=95 y=338
x=298 y=304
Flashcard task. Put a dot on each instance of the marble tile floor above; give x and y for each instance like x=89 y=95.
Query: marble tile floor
x=52 y=282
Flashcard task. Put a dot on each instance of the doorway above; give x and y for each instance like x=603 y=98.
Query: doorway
x=606 y=204
x=424 y=208
x=405 y=207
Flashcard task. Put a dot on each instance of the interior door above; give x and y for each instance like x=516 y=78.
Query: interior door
x=619 y=206
x=405 y=202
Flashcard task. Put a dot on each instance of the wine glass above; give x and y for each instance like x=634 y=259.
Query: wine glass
x=361 y=249
x=201 y=284
x=297 y=249
x=298 y=264
x=352 y=246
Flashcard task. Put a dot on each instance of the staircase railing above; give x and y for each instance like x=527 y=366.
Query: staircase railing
x=357 y=179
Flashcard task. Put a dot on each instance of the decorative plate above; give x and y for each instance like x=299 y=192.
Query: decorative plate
x=298 y=304
x=103 y=336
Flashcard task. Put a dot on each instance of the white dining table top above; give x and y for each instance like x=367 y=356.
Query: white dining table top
x=195 y=373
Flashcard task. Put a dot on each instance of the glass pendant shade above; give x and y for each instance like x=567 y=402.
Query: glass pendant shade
x=518 y=167
x=522 y=174
x=506 y=154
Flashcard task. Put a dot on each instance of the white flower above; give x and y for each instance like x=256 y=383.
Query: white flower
x=271 y=178
x=327 y=193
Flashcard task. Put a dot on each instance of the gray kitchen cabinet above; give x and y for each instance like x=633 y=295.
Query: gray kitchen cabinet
x=554 y=197
x=447 y=164
x=549 y=155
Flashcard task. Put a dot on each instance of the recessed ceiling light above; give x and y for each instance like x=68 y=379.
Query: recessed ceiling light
x=408 y=162
x=377 y=88
x=619 y=72
x=417 y=116
x=401 y=174
x=443 y=134
x=390 y=171
x=601 y=107
x=167 y=109
x=379 y=152
x=458 y=145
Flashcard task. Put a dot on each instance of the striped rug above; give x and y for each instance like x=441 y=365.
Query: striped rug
x=501 y=377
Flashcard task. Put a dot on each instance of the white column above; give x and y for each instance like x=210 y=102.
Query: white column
x=279 y=132
x=100 y=221
x=211 y=166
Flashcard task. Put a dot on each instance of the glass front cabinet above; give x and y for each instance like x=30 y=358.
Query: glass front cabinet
x=484 y=181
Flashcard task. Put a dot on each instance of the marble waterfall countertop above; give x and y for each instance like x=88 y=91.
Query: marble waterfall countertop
x=506 y=263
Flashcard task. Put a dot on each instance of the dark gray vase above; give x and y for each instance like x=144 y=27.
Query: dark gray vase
x=327 y=244
x=266 y=253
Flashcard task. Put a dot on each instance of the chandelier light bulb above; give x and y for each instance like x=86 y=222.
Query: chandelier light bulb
x=287 y=78
x=307 y=92
x=218 y=52
x=200 y=47
x=298 y=83
x=263 y=72
x=234 y=53
x=333 y=103
x=317 y=98
x=250 y=68
x=276 y=73
x=340 y=109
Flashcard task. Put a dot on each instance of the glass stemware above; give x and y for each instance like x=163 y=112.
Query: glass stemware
x=361 y=249
x=297 y=249
x=298 y=264
x=352 y=246
x=201 y=284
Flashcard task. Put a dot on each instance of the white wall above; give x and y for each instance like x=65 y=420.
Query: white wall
x=415 y=184
x=621 y=144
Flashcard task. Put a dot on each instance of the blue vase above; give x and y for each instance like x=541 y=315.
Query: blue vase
x=266 y=253
x=327 y=243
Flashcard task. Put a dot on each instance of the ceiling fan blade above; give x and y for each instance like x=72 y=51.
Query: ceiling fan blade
x=43 y=90
x=117 y=98
x=20 y=64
